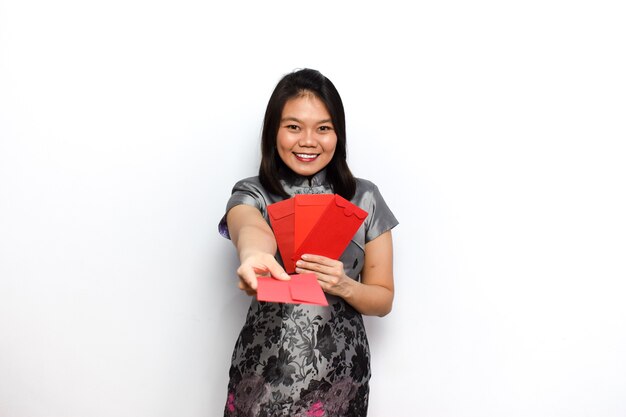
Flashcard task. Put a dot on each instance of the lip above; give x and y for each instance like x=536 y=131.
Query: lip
x=306 y=157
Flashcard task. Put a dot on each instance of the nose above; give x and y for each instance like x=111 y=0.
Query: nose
x=308 y=139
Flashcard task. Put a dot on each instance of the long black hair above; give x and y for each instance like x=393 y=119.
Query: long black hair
x=293 y=85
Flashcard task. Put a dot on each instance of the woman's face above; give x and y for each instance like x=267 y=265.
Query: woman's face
x=306 y=137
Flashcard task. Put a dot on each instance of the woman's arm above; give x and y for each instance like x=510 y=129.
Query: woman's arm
x=255 y=245
x=374 y=294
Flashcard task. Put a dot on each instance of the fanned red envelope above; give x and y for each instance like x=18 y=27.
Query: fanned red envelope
x=319 y=224
x=300 y=289
x=282 y=218
x=308 y=209
x=333 y=230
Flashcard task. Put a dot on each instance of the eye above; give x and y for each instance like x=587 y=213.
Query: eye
x=292 y=127
x=325 y=128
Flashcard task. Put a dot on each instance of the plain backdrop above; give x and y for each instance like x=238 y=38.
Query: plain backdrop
x=494 y=129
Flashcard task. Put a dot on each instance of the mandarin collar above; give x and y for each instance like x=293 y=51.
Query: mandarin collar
x=298 y=181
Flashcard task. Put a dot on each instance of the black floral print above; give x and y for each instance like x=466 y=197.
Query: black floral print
x=279 y=370
x=318 y=364
x=250 y=393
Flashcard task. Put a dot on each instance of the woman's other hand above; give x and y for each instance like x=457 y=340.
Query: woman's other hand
x=374 y=294
x=330 y=274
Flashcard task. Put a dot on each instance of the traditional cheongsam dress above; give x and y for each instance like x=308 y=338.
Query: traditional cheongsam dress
x=301 y=360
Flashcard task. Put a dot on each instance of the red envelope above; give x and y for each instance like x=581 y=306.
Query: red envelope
x=319 y=224
x=308 y=208
x=300 y=289
x=282 y=219
x=333 y=230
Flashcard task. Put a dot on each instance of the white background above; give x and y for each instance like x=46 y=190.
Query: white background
x=495 y=130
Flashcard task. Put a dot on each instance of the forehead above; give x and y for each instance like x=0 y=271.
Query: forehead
x=305 y=104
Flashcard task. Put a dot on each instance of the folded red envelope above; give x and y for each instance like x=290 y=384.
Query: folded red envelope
x=333 y=231
x=320 y=224
x=300 y=289
x=308 y=209
x=282 y=219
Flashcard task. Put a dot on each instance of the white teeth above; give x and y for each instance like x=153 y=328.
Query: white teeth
x=306 y=155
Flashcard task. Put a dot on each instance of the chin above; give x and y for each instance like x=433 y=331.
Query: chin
x=305 y=173
x=308 y=171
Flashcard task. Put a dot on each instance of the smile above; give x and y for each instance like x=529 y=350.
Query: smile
x=306 y=157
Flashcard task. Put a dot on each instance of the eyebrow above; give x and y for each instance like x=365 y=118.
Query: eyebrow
x=295 y=119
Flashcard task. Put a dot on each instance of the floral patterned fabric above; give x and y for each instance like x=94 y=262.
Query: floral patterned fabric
x=301 y=360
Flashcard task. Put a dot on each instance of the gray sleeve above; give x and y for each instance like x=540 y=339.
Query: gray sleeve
x=380 y=218
x=248 y=192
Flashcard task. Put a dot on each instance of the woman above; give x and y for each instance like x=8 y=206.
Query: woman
x=304 y=360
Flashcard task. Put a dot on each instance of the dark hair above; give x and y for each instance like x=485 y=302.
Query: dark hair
x=294 y=85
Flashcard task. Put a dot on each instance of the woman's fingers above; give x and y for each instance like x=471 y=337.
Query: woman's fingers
x=318 y=259
x=245 y=287
x=277 y=271
x=322 y=269
x=329 y=272
x=259 y=264
x=320 y=265
x=247 y=276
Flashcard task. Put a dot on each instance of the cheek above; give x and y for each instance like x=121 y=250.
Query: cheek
x=280 y=141
x=284 y=142
x=330 y=145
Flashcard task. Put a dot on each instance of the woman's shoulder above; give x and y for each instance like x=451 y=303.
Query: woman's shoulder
x=364 y=186
x=249 y=185
x=366 y=194
x=249 y=181
x=251 y=191
x=369 y=198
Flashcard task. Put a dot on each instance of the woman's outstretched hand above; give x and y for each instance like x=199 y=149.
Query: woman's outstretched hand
x=258 y=263
x=330 y=274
